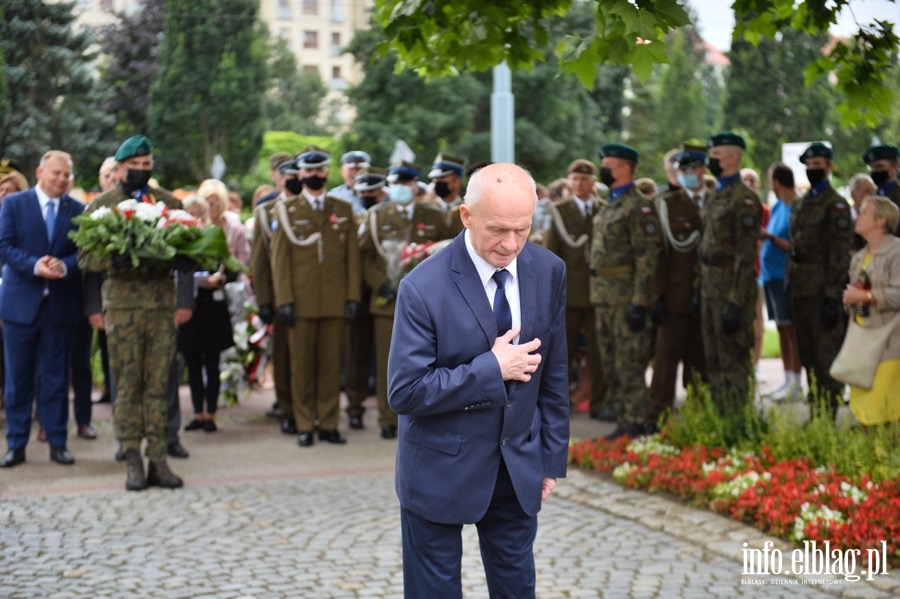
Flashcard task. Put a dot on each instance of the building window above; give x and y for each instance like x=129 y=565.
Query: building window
x=310 y=39
x=106 y=4
x=284 y=9
x=337 y=82
x=337 y=12
x=336 y=44
x=285 y=34
x=310 y=70
x=310 y=7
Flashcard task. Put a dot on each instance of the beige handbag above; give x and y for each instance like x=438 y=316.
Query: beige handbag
x=861 y=352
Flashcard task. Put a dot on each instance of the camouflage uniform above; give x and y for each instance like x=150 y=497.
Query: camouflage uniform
x=817 y=266
x=139 y=308
x=731 y=222
x=624 y=250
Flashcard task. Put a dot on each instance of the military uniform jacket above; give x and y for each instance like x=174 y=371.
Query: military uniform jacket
x=679 y=219
x=450 y=212
x=386 y=231
x=569 y=237
x=260 y=251
x=821 y=235
x=728 y=245
x=891 y=190
x=624 y=251
x=124 y=289
x=315 y=257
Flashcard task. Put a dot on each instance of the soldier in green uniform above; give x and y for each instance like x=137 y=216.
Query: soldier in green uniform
x=447 y=176
x=731 y=221
x=624 y=251
x=569 y=237
x=316 y=279
x=391 y=226
x=679 y=337
x=136 y=308
x=261 y=269
x=884 y=166
x=816 y=274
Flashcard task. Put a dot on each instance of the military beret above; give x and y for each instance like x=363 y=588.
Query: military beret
x=445 y=165
x=7 y=166
x=726 y=138
x=688 y=159
x=373 y=179
x=816 y=150
x=883 y=152
x=356 y=157
x=313 y=157
x=582 y=166
x=405 y=171
x=137 y=145
x=619 y=151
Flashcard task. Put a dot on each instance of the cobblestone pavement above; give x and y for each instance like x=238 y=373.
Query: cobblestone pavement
x=262 y=518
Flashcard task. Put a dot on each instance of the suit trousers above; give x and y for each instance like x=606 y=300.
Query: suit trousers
x=680 y=339
x=82 y=382
x=432 y=552
x=315 y=345
x=360 y=351
x=45 y=347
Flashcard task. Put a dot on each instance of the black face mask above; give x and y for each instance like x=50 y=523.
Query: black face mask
x=293 y=186
x=136 y=179
x=880 y=177
x=368 y=201
x=714 y=167
x=815 y=176
x=442 y=189
x=606 y=176
x=314 y=182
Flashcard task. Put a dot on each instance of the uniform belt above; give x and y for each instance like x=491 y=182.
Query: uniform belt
x=612 y=271
x=719 y=260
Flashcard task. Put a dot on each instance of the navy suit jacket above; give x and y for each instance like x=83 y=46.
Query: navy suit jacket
x=456 y=417
x=23 y=241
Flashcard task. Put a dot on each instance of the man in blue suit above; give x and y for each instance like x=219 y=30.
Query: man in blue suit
x=478 y=375
x=40 y=304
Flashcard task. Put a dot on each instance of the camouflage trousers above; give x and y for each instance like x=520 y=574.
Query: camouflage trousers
x=728 y=361
x=818 y=348
x=141 y=349
x=623 y=360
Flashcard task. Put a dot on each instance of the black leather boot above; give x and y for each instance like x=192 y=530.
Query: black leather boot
x=159 y=475
x=134 y=469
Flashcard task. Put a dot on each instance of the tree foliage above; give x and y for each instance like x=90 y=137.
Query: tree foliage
x=53 y=99
x=293 y=98
x=207 y=96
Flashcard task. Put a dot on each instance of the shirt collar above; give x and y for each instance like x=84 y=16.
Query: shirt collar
x=42 y=196
x=884 y=189
x=615 y=192
x=485 y=270
x=818 y=188
x=723 y=181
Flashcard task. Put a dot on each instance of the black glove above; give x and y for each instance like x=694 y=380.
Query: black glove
x=287 y=314
x=731 y=318
x=831 y=312
x=386 y=291
x=635 y=318
x=696 y=303
x=350 y=309
x=265 y=313
x=658 y=311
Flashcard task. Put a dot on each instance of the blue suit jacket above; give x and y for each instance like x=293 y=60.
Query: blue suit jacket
x=456 y=418
x=23 y=241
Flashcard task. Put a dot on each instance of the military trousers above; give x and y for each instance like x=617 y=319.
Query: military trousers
x=141 y=350
x=680 y=339
x=281 y=369
x=583 y=321
x=728 y=360
x=315 y=345
x=360 y=352
x=624 y=356
x=818 y=348
x=384 y=326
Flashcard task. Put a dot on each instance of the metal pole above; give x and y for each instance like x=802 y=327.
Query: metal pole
x=503 y=134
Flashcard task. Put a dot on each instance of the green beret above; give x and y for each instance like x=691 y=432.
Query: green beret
x=884 y=152
x=726 y=138
x=138 y=145
x=582 y=166
x=619 y=151
x=816 y=150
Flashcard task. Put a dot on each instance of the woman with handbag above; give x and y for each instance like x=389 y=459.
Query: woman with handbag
x=873 y=299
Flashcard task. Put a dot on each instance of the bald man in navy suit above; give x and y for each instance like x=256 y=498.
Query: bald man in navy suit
x=479 y=377
x=40 y=304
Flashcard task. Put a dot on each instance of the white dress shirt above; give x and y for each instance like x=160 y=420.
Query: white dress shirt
x=486 y=272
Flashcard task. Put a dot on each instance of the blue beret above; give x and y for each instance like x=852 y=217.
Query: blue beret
x=726 y=138
x=137 y=145
x=619 y=151
x=816 y=150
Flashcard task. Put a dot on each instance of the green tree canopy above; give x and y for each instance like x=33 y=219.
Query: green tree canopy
x=293 y=98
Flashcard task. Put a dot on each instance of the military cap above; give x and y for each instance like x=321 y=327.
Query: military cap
x=445 y=165
x=7 y=166
x=138 y=145
x=619 y=151
x=355 y=157
x=582 y=166
x=373 y=179
x=288 y=167
x=688 y=159
x=726 y=138
x=882 y=152
x=816 y=150
x=313 y=157
x=405 y=171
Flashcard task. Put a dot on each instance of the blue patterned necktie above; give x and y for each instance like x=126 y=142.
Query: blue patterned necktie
x=50 y=221
x=502 y=312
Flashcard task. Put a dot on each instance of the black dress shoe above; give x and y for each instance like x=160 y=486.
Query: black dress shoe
x=305 y=439
x=288 y=426
x=12 y=458
x=61 y=455
x=332 y=436
x=356 y=423
x=389 y=431
x=175 y=450
x=210 y=426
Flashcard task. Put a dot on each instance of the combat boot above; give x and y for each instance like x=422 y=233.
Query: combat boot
x=159 y=475
x=134 y=469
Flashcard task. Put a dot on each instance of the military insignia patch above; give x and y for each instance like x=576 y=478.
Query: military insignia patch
x=749 y=202
x=841 y=206
x=646 y=210
x=650 y=229
x=749 y=222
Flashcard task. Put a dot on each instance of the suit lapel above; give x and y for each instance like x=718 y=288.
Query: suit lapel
x=465 y=276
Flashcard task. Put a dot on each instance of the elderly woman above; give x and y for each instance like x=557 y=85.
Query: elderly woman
x=880 y=260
